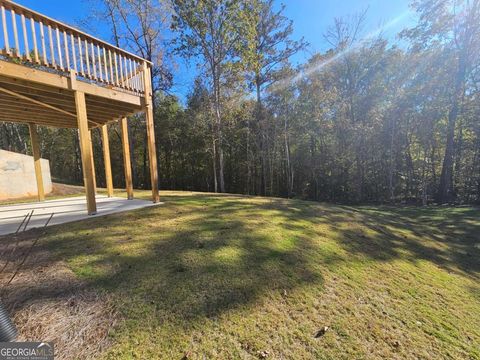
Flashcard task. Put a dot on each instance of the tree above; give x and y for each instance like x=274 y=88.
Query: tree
x=210 y=29
x=453 y=26
x=283 y=103
x=139 y=26
x=267 y=44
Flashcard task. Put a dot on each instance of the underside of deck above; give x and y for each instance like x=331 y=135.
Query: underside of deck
x=30 y=95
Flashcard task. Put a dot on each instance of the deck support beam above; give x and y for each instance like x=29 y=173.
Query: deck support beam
x=85 y=145
x=107 y=161
x=93 y=160
x=37 y=160
x=152 y=151
x=127 y=165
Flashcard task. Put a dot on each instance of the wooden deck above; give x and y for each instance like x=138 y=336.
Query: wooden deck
x=52 y=74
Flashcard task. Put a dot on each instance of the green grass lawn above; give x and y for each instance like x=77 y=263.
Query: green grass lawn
x=232 y=277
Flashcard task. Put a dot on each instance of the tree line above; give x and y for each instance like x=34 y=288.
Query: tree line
x=369 y=120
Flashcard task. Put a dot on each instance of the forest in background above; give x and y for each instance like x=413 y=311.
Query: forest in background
x=370 y=120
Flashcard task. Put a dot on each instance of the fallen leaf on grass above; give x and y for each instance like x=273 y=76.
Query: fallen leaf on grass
x=263 y=354
x=321 y=332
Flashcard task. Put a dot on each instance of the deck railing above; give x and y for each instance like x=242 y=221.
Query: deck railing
x=33 y=38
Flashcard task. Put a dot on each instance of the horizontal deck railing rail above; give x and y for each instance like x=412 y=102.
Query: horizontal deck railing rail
x=30 y=37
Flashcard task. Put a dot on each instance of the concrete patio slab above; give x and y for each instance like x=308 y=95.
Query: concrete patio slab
x=64 y=210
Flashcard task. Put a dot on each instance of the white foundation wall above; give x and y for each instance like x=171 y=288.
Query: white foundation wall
x=17 y=175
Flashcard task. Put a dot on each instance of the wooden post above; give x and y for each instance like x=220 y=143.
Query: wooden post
x=106 y=160
x=126 y=159
x=93 y=160
x=85 y=148
x=152 y=151
x=37 y=161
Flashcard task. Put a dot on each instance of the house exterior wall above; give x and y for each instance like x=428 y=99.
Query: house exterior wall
x=17 y=176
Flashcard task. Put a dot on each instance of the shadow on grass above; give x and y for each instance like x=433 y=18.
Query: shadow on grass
x=448 y=237
x=199 y=256
x=191 y=258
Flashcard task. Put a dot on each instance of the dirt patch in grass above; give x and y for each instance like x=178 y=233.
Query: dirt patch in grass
x=58 y=191
x=48 y=302
x=63 y=189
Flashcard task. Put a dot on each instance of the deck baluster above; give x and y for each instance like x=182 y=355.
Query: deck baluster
x=100 y=67
x=25 y=38
x=52 y=51
x=59 y=49
x=34 y=37
x=105 y=64
x=87 y=59
x=67 y=55
x=74 y=53
x=80 y=55
x=15 y=33
x=5 y=31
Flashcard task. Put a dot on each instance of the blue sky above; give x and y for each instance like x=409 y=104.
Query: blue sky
x=311 y=19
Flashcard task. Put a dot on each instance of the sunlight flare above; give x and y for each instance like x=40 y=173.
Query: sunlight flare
x=318 y=67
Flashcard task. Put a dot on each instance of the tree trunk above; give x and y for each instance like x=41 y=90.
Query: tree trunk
x=218 y=129
x=424 y=180
x=263 y=137
x=313 y=176
x=249 y=170
x=446 y=189
x=214 y=162
x=289 y=174
x=391 y=170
